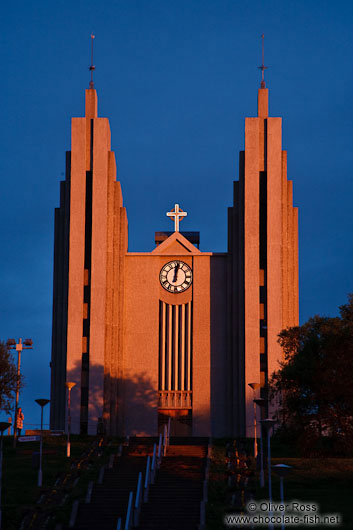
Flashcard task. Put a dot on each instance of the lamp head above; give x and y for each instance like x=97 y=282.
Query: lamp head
x=11 y=342
x=261 y=402
x=28 y=343
x=4 y=425
x=281 y=469
x=42 y=402
x=267 y=423
x=254 y=386
x=70 y=384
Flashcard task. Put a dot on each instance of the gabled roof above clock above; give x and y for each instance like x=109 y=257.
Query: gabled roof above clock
x=176 y=244
x=193 y=237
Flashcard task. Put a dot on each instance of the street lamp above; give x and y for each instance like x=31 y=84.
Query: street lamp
x=3 y=426
x=41 y=403
x=25 y=345
x=268 y=424
x=281 y=470
x=69 y=386
x=255 y=386
x=261 y=402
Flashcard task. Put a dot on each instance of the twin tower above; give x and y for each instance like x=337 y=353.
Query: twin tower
x=172 y=333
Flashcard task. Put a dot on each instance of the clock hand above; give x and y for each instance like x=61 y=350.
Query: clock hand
x=176 y=273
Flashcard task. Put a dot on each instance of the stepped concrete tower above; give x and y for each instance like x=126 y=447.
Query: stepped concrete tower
x=90 y=245
x=263 y=261
x=176 y=332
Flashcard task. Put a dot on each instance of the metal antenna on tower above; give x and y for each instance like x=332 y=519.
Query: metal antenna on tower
x=263 y=67
x=92 y=67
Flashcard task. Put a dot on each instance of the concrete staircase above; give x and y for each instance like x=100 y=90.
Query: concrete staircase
x=174 y=499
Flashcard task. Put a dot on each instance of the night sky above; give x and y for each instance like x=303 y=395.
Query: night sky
x=176 y=80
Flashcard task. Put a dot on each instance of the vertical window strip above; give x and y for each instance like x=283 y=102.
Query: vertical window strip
x=189 y=346
x=160 y=350
x=175 y=345
x=170 y=346
x=181 y=352
x=186 y=347
x=161 y=376
x=165 y=350
x=172 y=333
x=163 y=367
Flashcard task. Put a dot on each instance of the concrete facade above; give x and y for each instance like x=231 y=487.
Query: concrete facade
x=139 y=353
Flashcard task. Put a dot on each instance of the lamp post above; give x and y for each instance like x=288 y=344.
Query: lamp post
x=255 y=386
x=3 y=426
x=261 y=402
x=25 y=345
x=69 y=386
x=281 y=470
x=268 y=424
x=41 y=403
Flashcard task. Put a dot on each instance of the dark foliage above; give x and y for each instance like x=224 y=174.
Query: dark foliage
x=8 y=378
x=314 y=385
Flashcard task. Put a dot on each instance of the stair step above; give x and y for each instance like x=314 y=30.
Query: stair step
x=174 y=499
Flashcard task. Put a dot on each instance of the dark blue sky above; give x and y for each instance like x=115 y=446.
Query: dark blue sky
x=176 y=80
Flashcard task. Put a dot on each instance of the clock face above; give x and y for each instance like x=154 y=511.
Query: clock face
x=175 y=276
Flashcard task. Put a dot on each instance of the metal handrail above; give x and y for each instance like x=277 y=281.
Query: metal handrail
x=165 y=441
x=138 y=500
x=73 y=515
x=89 y=492
x=147 y=480
x=138 y=491
x=205 y=490
x=168 y=432
x=129 y=512
x=160 y=449
x=153 y=467
x=101 y=475
x=202 y=515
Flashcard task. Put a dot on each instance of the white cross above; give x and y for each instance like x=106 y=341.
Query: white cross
x=177 y=213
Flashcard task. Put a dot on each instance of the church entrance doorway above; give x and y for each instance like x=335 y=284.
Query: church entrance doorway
x=180 y=421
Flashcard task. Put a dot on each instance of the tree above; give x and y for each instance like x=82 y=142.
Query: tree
x=8 y=378
x=314 y=384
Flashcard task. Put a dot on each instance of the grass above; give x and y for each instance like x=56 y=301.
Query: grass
x=324 y=481
x=20 y=492
x=327 y=482
x=217 y=487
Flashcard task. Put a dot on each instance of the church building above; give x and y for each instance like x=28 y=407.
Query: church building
x=175 y=332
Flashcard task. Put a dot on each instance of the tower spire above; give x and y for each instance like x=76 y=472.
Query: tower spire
x=263 y=67
x=92 y=67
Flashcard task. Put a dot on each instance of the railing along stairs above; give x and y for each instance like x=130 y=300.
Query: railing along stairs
x=134 y=508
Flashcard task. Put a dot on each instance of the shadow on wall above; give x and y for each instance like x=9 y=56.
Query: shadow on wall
x=139 y=404
x=223 y=382
x=130 y=407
